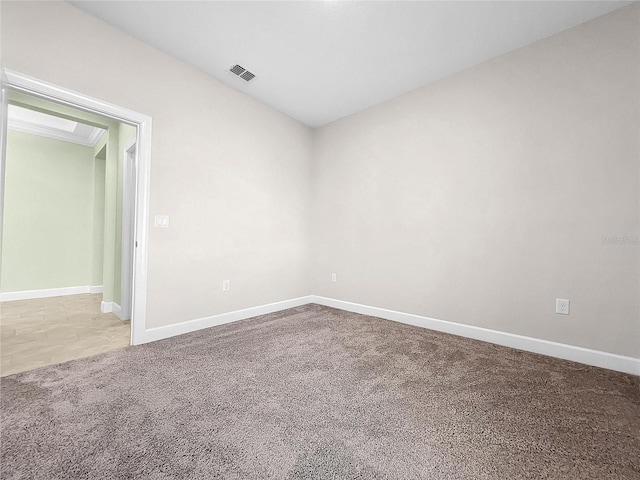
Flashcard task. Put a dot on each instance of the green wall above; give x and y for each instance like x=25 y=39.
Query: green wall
x=99 y=165
x=48 y=216
x=107 y=148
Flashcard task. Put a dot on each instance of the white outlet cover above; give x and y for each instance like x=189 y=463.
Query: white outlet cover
x=562 y=306
x=226 y=285
x=334 y=277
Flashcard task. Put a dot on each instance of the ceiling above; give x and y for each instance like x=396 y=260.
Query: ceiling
x=45 y=125
x=318 y=61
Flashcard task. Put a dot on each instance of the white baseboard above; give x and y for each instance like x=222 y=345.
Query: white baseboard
x=544 y=347
x=158 y=333
x=110 y=307
x=48 y=292
x=553 y=349
x=117 y=311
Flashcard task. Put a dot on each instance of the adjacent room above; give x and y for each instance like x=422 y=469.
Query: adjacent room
x=63 y=272
x=320 y=239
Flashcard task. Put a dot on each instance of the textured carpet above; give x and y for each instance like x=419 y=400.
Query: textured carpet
x=319 y=393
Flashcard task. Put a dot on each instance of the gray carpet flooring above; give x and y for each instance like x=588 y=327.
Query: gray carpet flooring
x=318 y=393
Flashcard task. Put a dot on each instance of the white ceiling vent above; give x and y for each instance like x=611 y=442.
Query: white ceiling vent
x=242 y=72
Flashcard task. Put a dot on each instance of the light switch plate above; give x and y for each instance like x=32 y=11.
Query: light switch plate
x=161 y=221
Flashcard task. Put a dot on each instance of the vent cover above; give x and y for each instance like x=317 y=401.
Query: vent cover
x=248 y=76
x=242 y=72
x=237 y=69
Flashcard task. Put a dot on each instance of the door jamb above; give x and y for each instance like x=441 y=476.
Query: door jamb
x=128 y=228
x=3 y=151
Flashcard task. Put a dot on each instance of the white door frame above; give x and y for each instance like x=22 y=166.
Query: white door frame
x=43 y=89
x=3 y=151
x=129 y=162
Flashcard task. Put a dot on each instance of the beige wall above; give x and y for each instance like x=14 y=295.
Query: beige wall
x=482 y=198
x=231 y=173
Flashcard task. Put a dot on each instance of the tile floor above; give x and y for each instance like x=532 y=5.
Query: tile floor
x=45 y=331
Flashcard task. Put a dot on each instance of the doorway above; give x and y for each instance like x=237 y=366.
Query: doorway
x=129 y=277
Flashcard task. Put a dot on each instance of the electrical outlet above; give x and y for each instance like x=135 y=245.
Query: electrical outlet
x=226 y=285
x=334 y=278
x=562 y=306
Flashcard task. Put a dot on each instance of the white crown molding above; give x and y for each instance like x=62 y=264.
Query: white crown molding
x=32 y=129
x=96 y=134
x=586 y=356
x=49 y=292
